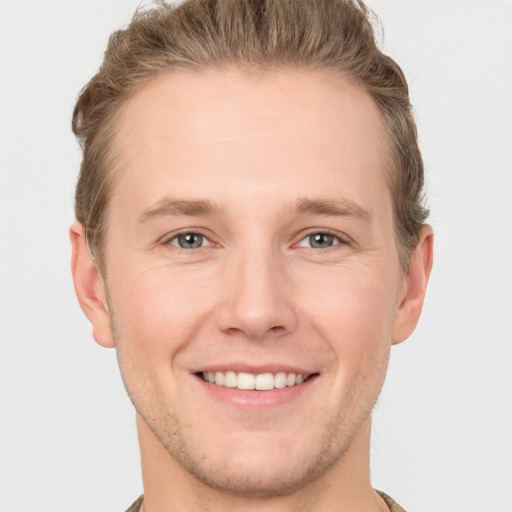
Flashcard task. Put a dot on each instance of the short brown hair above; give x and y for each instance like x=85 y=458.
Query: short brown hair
x=334 y=36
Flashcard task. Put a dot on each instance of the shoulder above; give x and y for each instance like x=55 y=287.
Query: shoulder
x=390 y=502
x=136 y=506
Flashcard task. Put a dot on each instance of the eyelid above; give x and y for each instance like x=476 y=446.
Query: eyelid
x=342 y=238
x=169 y=237
x=205 y=242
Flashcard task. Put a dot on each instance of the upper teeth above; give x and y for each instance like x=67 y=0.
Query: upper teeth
x=262 y=381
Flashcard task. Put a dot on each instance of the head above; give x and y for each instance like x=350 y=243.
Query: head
x=249 y=207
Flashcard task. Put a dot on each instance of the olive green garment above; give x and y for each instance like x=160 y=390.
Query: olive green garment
x=393 y=506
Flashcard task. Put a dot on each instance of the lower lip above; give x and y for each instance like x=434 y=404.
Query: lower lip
x=255 y=399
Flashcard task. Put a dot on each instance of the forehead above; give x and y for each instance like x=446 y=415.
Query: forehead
x=227 y=132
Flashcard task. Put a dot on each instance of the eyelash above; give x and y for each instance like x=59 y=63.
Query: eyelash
x=336 y=237
x=177 y=236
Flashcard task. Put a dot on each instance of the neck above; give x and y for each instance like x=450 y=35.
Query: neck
x=343 y=487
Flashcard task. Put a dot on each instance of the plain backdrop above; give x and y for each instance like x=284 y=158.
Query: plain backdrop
x=442 y=437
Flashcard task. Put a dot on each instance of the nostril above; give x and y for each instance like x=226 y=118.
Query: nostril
x=253 y=332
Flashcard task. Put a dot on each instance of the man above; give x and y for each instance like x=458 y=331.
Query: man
x=250 y=238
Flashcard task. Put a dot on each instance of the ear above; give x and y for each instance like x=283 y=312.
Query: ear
x=415 y=280
x=89 y=287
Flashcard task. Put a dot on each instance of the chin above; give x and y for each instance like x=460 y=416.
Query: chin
x=263 y=466
x=255 y=479
x=250 y=484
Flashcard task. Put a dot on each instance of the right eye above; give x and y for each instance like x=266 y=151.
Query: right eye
x=189 y=241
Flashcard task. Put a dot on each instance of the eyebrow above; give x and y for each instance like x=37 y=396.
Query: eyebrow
x=334 y=207
x=203 y=207
x=167 y=207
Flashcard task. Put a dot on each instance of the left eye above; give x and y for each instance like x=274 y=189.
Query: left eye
x=189 y=241
x=319 y=241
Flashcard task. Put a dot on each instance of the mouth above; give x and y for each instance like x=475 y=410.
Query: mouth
x=257 y=382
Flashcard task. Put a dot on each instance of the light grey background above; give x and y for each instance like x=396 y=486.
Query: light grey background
x=443 y=426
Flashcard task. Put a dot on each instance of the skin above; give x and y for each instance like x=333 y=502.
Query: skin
x=277 y=157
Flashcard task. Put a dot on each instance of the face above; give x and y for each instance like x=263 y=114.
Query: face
x=251 y=245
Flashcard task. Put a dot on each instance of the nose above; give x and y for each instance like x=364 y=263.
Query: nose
x=258 y=298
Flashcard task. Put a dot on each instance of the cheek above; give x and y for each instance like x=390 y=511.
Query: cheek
x=153 y=318
x=354 y=311
x=352 y=317
x=160 y=310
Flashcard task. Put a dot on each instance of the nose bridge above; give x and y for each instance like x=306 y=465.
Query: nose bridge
x=257 y=301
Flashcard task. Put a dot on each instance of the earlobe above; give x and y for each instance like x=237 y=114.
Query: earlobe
x=89 y=287
x=414 y=287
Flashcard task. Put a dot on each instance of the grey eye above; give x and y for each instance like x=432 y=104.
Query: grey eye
x=189 y=240
x=321 y=240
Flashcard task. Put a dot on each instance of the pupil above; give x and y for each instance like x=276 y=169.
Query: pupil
x=190 y=241
x=320 y=240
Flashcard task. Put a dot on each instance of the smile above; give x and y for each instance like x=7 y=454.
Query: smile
x=249 y=381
